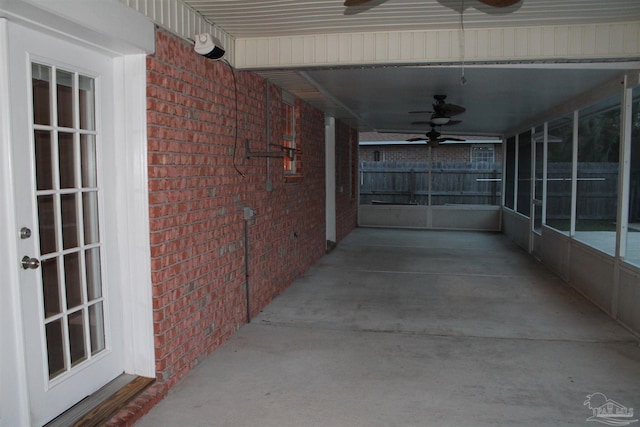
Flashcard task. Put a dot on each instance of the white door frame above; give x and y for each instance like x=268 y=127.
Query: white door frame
x=13 y=400
x=70 y=21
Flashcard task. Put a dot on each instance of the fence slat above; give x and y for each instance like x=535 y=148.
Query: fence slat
x=408 y=183
x=480 y=183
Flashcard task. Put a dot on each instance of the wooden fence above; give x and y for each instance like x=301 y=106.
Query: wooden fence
x=480 y=184
x=597 y=191
x=418 y=184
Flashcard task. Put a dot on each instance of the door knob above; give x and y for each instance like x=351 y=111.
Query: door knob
x=30 y=263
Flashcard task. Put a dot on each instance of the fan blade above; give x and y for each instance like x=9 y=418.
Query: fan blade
x=499 y=3
x=449 y=109
x=450 y=123
x=441 y=109
x=415 y=139
x=451 y=139
x=446 y=110
x=349 y=3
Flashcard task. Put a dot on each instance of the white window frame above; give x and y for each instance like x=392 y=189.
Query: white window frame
x=475 y=147
x=290 y=134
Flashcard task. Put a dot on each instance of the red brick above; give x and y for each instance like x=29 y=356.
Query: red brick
x=197 y=197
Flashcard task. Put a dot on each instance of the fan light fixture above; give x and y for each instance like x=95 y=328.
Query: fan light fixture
x=440 y=120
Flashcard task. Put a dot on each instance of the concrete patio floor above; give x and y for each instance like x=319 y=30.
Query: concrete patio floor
x=414 y=328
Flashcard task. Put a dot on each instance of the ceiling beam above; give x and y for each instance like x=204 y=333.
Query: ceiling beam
x=558 y=43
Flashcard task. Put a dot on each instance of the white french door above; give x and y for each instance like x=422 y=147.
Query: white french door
x=61 y=125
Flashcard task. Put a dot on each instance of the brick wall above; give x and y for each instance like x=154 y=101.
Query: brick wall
x=420 y=153
x=200 y=181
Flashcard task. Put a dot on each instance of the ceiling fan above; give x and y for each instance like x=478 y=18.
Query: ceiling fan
x=441 y=113
x=492 y=3
x=434 y=138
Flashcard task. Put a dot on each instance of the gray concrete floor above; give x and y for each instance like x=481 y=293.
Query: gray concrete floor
x=414 y=328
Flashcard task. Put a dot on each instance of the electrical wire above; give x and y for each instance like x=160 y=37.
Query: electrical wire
x=235 y=96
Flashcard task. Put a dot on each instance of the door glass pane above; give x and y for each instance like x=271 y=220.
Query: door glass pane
x=88 y=162
x=73 y=280
x=96 y=328
x=76 y=338
x=64 y=83
x=50 y=287
x=47 y=227
x=69 y=221
x=41 y=88
x=94 y=281
x=55 y=348
x=90 y=217
x=66 y=155
x=87 y=103
x=44 y=171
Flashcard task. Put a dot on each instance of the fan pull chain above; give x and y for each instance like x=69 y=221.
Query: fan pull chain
x=463 y=79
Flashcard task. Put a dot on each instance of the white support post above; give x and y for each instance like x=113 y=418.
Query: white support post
x=626 y=121
x=574 y=175
x=515 y=174
x=330 y=178
x=624 y=172
x=532 y=189
x=134 y=246
x=545 y=155
x=504 y=172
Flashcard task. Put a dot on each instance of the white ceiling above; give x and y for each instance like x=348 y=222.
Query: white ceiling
x=258 y=18
x=498 y=97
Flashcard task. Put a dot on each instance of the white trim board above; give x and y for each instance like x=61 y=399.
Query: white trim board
x=564 y=43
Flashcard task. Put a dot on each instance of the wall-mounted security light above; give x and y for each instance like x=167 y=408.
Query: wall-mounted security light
x=209 y=46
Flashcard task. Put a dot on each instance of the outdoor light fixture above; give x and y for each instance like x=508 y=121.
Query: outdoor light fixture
x=209 y=46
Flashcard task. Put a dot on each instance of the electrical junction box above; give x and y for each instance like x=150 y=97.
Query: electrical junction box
x=249 y=213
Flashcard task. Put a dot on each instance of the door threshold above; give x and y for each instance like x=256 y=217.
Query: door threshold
x=99 y=407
